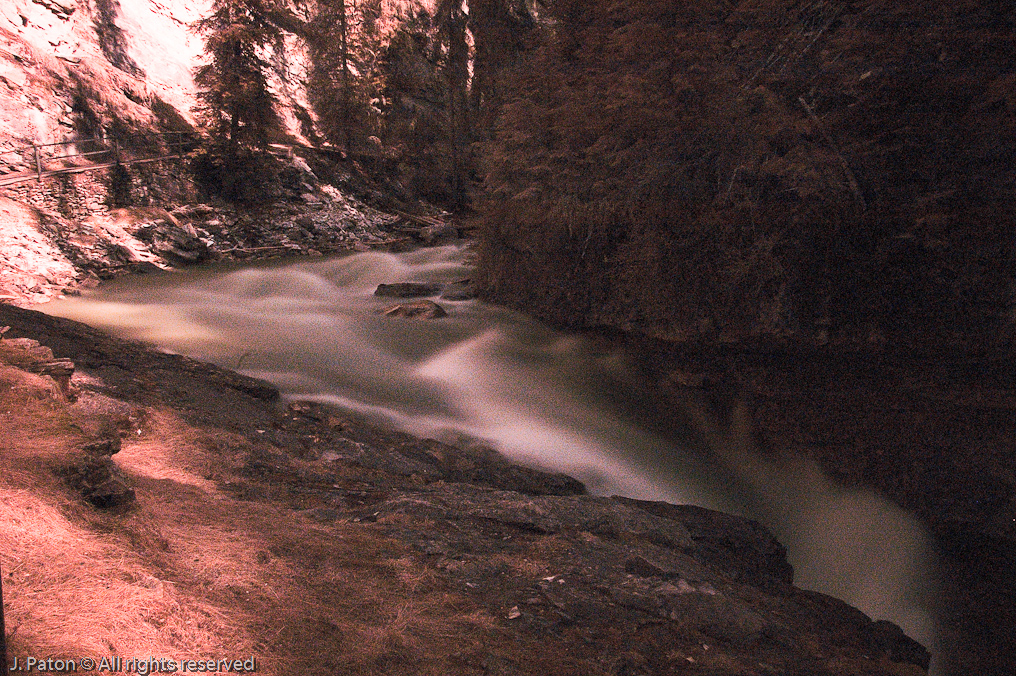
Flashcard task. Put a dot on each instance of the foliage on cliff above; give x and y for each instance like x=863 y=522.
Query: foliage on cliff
x=774 y=168
x=237 y=105
x=443 y=89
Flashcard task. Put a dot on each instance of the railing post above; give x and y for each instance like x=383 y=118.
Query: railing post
x=38 y=163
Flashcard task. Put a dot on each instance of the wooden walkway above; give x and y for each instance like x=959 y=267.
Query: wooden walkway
x=174 y=140
x=108 y=150
x=22 y=176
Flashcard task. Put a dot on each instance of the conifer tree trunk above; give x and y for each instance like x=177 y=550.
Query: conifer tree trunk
x=344 y=60
x=235 y=111
x=457 y=74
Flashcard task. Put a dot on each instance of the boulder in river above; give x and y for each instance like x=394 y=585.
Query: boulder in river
x=407 y=290
x=417 y=309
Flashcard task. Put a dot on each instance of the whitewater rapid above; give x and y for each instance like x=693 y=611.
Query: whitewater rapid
x=541 y=397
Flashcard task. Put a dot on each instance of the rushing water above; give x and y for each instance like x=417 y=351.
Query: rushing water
x=541 y=397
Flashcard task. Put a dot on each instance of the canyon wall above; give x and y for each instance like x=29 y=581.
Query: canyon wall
x=766 y=170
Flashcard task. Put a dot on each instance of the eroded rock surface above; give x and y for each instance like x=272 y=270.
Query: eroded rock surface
x=695 y=574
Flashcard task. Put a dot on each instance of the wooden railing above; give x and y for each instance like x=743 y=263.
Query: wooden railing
x=41 y=156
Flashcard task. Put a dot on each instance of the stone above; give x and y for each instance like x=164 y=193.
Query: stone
x=460 y=290
x=741 y=548
x=56 y=368
x=111 y=493
x=606 y=517
x=486 y=467
x=252 y=387
x=178 y=256
x=417 y=309
x=398 y=464
x=407 y=290
x=124 y=253
x=103 y=447
x=99 y=482
x=888 y=639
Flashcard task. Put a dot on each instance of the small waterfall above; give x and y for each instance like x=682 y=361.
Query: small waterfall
x=541 y=397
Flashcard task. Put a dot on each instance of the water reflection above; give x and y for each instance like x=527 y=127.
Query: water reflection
x=542 y=398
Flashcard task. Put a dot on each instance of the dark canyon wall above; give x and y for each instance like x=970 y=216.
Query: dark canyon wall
x=830 y=171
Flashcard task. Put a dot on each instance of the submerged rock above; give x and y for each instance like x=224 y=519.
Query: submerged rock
x=418 y=309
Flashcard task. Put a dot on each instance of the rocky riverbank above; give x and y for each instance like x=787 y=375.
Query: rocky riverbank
x=46 y=252
x=296 y=532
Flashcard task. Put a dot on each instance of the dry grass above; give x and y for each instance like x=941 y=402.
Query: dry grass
x=191 y=572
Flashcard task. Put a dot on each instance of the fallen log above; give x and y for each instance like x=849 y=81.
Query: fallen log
x=422 y=220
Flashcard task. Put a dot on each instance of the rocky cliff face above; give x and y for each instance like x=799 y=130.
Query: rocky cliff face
x=74 y=67
x=73 y=70
x=71 y=67
x=45 y=254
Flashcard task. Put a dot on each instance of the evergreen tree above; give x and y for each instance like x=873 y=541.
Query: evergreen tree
x=452 y=21
x=604 y=162
x=443 y=88
x=237 y=106
x=345 y=80
x=665 y=167
x=501 y=31
x=415 y=114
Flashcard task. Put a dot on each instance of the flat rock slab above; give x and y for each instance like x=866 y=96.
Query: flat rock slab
x=603 y=567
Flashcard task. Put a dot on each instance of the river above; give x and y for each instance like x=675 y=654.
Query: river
x=543 y=398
